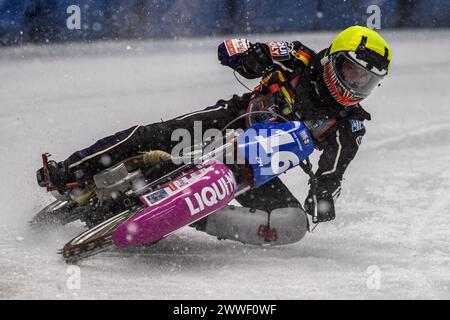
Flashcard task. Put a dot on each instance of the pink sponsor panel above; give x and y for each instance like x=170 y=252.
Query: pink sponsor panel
x=183 y=201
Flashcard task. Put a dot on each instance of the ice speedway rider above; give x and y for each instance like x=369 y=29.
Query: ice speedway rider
x=326 y=89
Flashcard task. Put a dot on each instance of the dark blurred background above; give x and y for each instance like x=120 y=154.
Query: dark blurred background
x=45 y=20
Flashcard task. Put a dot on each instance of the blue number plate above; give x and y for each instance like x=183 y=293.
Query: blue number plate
x=272 y=148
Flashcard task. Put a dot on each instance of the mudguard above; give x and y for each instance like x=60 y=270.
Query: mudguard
x=185 y=200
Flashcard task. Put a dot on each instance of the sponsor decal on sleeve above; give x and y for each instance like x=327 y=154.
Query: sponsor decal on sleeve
x=236 y=46
x=279 y=50
x=302 y=56
x=357 y=125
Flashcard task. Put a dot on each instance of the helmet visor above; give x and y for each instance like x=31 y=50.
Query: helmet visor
x=354 y=76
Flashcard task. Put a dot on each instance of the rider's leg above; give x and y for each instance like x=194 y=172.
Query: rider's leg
x=157 y=136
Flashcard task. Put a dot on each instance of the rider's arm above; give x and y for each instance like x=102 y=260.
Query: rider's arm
x=254 y=60
x=339 y=146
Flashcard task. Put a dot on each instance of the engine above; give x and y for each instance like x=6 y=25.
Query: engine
x=114 y=181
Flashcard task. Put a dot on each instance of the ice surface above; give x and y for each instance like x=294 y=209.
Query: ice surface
x=392 y=218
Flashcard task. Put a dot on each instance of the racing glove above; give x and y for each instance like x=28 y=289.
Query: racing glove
x=325 y=206
x=328 y=190
x=257 y=60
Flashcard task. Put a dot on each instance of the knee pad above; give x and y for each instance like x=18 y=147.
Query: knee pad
x=280 y=227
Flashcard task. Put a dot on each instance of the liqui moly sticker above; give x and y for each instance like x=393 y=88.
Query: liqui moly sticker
x=279 y=50
x=235 y=46
x=211 y=195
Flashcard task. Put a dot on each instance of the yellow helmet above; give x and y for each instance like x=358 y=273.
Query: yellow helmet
x=356 y=62
x=351 y=39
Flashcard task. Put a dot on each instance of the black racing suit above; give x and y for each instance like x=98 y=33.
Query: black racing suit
x=338 y=130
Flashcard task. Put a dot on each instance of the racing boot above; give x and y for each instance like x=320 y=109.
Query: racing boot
x=57 y=175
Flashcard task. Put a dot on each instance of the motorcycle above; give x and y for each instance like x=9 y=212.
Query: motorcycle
x=145 y=198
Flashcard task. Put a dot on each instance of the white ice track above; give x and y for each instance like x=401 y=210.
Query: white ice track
x=394 y=212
